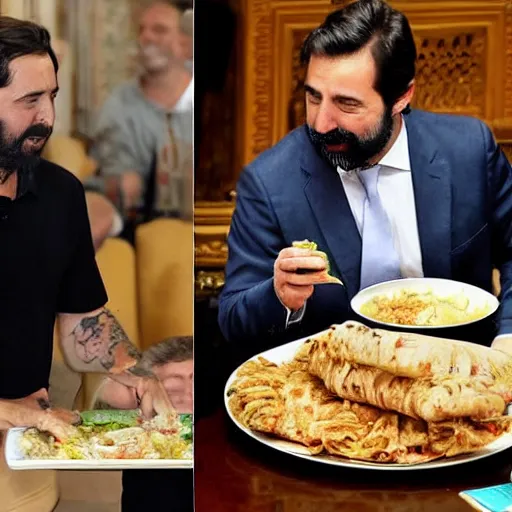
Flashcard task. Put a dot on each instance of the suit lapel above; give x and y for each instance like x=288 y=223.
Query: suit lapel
x=432 y=193
x=328 y=201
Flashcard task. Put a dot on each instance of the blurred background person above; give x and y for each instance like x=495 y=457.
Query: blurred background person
x=143 y=136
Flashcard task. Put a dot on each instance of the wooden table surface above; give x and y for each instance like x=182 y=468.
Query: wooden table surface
x=233 y=472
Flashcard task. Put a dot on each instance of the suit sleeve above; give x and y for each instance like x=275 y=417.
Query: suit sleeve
x=500 y=178
x=249 y=306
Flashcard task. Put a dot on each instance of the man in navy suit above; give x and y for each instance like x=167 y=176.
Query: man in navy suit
x=385 y=191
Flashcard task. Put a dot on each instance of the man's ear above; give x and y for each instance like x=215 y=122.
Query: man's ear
x=405 y=100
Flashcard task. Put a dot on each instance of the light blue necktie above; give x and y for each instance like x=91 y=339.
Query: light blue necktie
x=379 y=259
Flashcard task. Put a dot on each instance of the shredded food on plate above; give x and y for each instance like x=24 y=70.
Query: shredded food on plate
x=163 y=437
x=408 y=307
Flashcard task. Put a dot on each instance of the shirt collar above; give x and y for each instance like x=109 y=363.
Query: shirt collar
x=184 y=104
x=186 y=101
x=398 y=155
x=26 y=183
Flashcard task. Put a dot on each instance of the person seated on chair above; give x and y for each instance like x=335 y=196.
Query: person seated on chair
x=143 y=138
x=171 y=490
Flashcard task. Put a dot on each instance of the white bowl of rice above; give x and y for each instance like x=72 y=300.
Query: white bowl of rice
x=426 y=303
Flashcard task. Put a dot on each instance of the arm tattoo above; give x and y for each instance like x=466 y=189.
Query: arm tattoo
x=101 y=339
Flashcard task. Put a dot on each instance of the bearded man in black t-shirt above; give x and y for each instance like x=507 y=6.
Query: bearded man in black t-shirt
x=48 y=270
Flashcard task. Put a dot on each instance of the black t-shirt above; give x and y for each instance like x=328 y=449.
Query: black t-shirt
x=47 y=266
x=158 y=490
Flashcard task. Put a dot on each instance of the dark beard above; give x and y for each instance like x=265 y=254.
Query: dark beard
x=361 y=149
x=12 y=155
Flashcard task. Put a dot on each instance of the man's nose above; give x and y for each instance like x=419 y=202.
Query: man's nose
x=324 y=121
x=146 y=37
x=46 y=116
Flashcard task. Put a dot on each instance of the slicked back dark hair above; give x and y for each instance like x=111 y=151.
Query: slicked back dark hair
x=375 y=23
x=19 y=38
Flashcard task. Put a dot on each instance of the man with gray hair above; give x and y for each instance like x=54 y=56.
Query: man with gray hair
x=169 y=490
x=172 y=360
x=143 y=138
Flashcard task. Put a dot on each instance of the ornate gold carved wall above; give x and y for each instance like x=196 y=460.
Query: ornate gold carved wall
x=464 y=67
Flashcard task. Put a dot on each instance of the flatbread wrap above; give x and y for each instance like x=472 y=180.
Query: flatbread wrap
x=312 y=246
x=431 y=399
x=417 y=356
x=289 y=403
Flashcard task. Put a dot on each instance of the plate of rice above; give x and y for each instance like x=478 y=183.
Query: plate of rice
x=427 y=303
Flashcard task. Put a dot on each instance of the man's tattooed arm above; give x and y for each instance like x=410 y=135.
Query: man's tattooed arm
x=96 y=342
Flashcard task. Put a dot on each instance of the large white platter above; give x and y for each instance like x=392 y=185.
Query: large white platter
x=16 y=460
x=285 y=353
x=478 y=298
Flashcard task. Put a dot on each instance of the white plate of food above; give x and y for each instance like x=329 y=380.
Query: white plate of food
x=425 y=303
x=271 y=396
x=106 y=440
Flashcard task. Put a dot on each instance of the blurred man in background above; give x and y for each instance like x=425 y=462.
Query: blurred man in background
x=143 y=139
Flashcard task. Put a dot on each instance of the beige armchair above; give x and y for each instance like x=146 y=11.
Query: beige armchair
x=70 y=153
x=116 y=261
x=165 y=268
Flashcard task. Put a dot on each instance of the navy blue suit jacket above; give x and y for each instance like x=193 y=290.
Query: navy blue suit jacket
x=463 y=193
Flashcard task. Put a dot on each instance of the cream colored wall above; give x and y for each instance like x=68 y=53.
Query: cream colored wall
x=102 y=36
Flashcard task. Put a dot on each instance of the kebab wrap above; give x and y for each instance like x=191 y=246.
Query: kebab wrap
x=289 y=403
x=416 y=356
x=430 y=399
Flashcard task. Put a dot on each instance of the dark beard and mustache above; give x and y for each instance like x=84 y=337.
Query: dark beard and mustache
x=360 y=149
x=12 y=155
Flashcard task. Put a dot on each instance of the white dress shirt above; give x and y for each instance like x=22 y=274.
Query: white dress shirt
x=397 y=195
x=186 y=100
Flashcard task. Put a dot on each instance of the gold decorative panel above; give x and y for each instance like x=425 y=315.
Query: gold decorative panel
x=508 y=67
x=275 y=31
x=451 y=69
x=297 y=107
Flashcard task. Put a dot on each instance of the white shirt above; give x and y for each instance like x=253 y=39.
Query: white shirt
x=186 y=101
x=397 y=196
x=396 y=192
